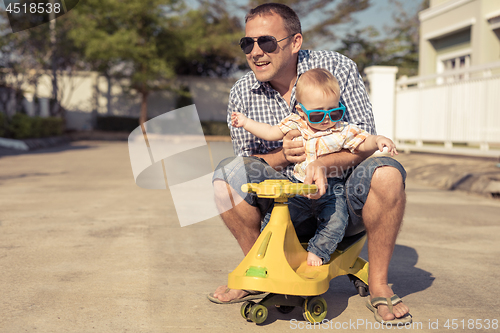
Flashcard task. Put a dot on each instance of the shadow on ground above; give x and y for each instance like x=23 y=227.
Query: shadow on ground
x=55 y=149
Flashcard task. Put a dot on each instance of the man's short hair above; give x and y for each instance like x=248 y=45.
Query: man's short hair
x=317 y=78
x=290 y=18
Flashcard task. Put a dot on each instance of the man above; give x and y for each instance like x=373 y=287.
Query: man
x=375 y=190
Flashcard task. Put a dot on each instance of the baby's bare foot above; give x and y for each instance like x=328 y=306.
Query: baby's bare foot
x=314 y=260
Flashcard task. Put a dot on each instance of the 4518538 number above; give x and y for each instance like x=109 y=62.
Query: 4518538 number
x=471 y=324
x=33 y=8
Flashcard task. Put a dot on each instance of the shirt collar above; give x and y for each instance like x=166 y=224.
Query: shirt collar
x=302 y=63
x=258 y=84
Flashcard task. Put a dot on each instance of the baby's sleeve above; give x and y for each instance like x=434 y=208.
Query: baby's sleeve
x=354 y=136
x=288 y=124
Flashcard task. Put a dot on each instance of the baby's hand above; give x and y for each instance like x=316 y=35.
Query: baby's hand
x=316 y=174
x=382 y=142
x=238 y=119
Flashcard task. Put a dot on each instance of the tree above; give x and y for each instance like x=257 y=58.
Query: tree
x=130 y=38
x=28 y=54
x=210 y=36
x=399 y=48
x=15 y=62
x=361 y=46
x=402 y=43
x=149 y=42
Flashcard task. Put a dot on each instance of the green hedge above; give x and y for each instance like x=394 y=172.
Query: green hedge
x=22 y=126
x=116 y=123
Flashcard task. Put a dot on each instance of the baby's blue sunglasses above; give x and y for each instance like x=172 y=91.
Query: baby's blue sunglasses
x=318 y=116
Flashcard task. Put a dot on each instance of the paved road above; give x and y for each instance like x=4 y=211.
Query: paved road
x=83 y=249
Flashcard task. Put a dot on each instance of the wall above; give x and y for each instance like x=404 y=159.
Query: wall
x=210 y=95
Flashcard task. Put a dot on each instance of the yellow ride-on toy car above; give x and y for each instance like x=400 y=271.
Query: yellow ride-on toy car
x=277 y=264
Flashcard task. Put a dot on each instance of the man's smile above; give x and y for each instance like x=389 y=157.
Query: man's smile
x=261 y=64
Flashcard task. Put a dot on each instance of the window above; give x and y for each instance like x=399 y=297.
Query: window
x=453 y=52
x=457 y=63
x=447 y=63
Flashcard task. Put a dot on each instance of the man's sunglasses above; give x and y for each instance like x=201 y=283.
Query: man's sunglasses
x=317 y=116
x=267 y=44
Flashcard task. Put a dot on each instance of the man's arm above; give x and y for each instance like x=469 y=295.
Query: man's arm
x=275 y=159
x=331 y=165
x=339 y=162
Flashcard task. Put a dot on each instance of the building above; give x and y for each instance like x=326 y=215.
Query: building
x=453 y=106
x=458 y=34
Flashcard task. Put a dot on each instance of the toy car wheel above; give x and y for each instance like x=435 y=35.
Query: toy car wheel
x=285 y=308
x=360 y=286
x=245 y=309
x=315 y=309
x=363 y=291
x=258 y=313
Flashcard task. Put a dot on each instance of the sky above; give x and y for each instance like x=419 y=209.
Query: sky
x=380 y=13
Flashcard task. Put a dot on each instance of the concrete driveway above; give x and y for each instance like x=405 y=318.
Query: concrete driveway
x=83 y=249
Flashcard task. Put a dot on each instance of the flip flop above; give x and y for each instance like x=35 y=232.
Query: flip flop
x=251 y=295
x=390 y=302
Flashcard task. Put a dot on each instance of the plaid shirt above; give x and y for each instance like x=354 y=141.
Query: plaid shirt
x=340 y=136
x=259 y=101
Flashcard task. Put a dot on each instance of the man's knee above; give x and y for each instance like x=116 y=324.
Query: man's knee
x=221 y=188
x=387 y=175
x=388 y=182
x=225 y=197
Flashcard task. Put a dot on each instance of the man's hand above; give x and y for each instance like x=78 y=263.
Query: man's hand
x=293 y=150
x=316 y=174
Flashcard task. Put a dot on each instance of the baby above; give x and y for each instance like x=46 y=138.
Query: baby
x=319 y=120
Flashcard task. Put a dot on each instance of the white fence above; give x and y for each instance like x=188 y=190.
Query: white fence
x=450 y=113
x=462 y=107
